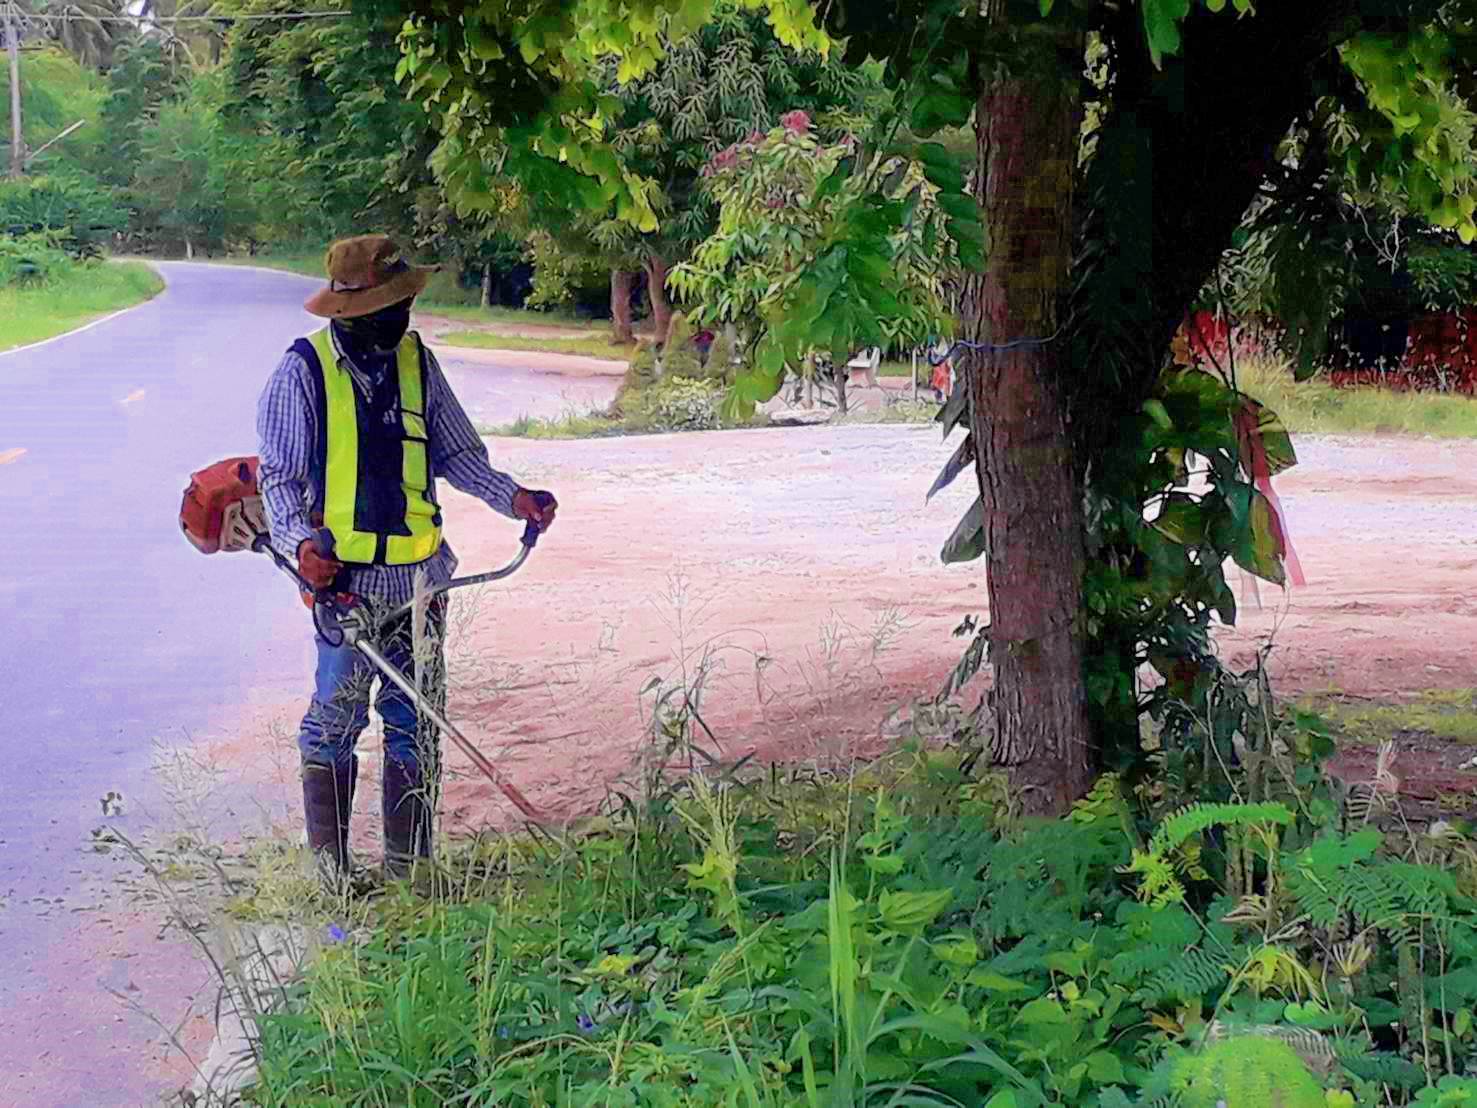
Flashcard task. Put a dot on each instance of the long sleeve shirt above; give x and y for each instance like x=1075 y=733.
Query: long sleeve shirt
x=290 y=476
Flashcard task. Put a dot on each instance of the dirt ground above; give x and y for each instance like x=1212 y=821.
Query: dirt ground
x=794 y=575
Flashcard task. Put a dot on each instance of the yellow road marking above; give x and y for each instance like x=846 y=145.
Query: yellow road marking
x=136 y=394
x=8 y=456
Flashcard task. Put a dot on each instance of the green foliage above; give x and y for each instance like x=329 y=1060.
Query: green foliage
x=523 y=80
x=812 y=942
x=1247 y=1073
x=679 y=357
x=183 y=187
x=327 y=142
x=32 y=259
x=66 y=295
x=559 y=274
x=1417 y=130
x=674 y=404
x=729 y=79
x=73 y=213
x=143 y=79
x=721 y=356
x=1445 y=277
x=796 y=257
x=56 y=92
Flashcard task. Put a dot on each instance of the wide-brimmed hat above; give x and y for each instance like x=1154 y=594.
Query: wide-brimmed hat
x=365 y=274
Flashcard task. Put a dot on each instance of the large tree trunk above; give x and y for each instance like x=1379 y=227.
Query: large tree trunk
x=17 y=140
x=656 y=290
x=621 y=283
x=1033 y=518
x=486 y=285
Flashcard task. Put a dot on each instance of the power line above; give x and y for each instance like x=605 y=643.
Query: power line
x=149 y=20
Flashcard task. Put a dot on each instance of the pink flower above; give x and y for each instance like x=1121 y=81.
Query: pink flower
x=796 y=122
x=725 y=159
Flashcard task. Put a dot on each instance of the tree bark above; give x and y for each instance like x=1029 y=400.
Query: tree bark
x=487 y=285
x=17 y=139
x=1033 y=517
x=620 y=307
x=656 y=290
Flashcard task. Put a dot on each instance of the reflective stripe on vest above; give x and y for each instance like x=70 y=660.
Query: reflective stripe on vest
x=341 y=471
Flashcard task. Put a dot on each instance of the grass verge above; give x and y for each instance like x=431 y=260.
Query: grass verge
x=1315 y=407
x=589 y=425
x=308 y=263
x=522 y=317
x=594 y=424
x=595 y=347
x=72 y=299
x=1445 y=715
x=443 y=295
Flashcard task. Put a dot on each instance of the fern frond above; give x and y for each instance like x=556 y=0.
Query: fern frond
x=1195 y=818
x=1192 y=975
x=1384 y=1069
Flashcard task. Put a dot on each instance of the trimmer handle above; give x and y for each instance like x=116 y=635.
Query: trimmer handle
x=323 y=539
x=532 y=531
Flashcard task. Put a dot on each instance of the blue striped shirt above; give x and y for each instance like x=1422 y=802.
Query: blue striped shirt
x=290 y=477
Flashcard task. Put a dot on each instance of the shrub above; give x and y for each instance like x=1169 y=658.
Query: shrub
x=720 y=366
x=32 y=259
x=670 y=404
x=679 y=355
x=640 y=375
x=685 y=404
x=80 y=215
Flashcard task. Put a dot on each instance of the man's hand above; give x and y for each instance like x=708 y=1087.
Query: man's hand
x=316 y=570
x=535 y=507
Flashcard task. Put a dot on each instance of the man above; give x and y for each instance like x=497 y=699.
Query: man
x=355 y=425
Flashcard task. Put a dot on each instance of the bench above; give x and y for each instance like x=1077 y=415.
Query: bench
x=864 y=365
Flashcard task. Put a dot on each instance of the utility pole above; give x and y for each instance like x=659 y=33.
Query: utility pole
x=13 y=48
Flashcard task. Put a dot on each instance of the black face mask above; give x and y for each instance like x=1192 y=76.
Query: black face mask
x=379 y=332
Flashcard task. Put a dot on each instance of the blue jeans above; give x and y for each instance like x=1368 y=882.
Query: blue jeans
x=339 y=711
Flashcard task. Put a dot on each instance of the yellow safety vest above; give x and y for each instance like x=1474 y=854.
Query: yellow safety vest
x=377 y=498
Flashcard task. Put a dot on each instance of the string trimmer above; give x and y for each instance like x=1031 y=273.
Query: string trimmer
x=222 y=512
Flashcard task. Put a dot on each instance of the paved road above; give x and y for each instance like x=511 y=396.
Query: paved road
x=117 y=634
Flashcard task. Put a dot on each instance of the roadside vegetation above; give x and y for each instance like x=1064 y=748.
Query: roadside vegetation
x=1317 y=408
x=594 y=347
x=855 y=934
x=44 y=293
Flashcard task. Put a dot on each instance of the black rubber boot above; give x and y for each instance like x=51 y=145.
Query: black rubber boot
x=328 y=801
x=407 y=819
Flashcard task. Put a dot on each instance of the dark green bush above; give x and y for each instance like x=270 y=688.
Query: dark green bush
x=80 y=216
x=32 y=259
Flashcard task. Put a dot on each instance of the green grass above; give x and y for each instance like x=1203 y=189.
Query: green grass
x=1315 y=407
x=306 y=263
x=1444 y=714
x=520 y=317
x=591 y=425
x=73 y=299
x=443 y=296
x=487 y=340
